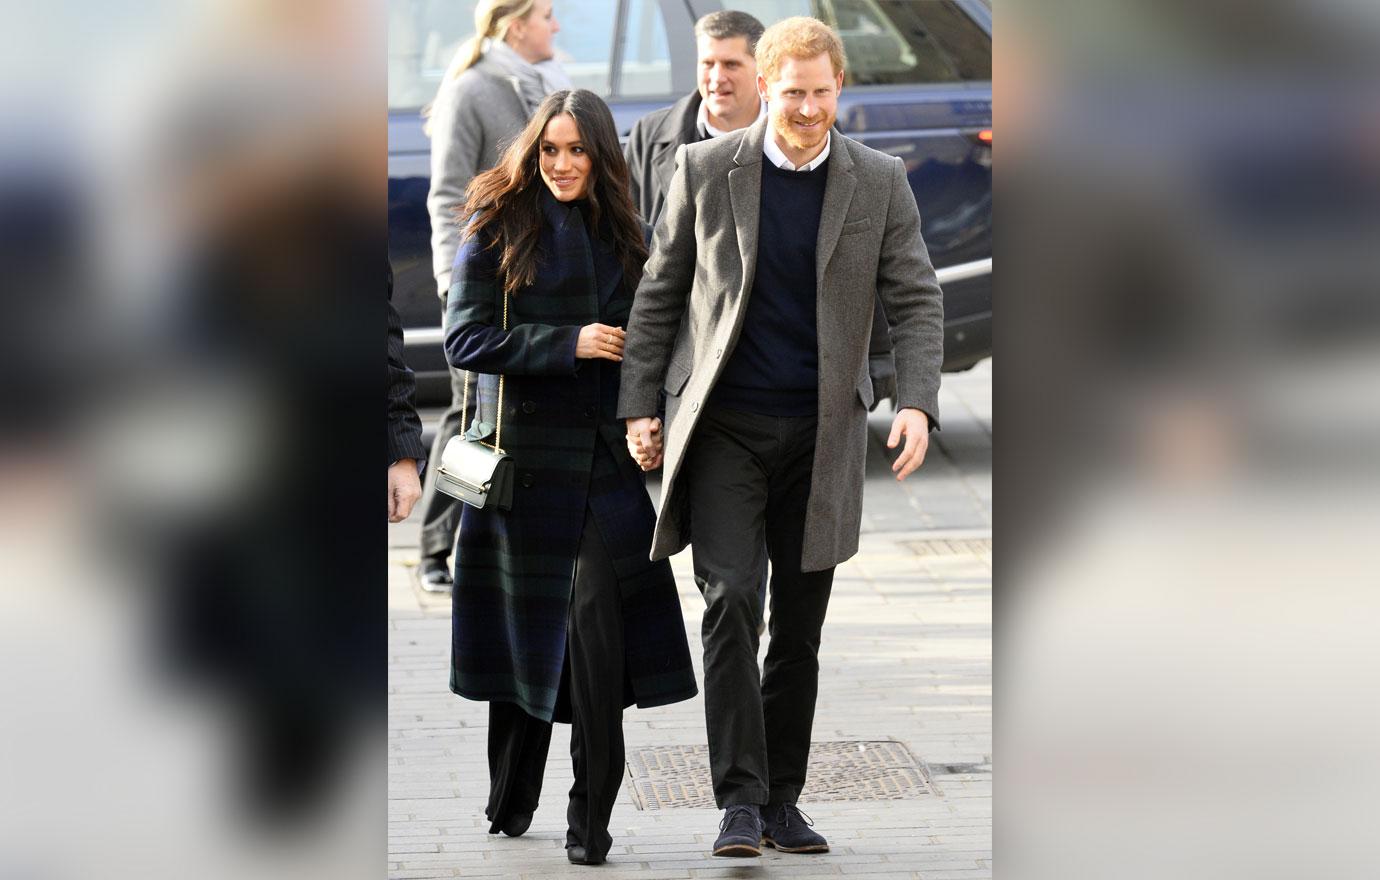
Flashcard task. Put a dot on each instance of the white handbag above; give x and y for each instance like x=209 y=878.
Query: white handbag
x=478 y=473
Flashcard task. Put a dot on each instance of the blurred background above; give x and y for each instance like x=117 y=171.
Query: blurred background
x=192 y=241
x=1186 y=481
x=193 y=248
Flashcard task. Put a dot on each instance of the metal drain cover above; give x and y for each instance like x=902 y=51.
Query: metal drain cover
x=665 y=777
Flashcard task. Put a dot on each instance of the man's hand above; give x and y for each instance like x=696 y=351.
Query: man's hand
x=644 y=442
x=404 y=488
x=914 y=425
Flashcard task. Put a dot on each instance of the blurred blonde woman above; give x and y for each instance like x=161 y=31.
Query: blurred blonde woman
x=488 y=94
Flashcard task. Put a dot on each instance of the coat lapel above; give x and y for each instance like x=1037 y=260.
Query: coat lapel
x=745 y=194
x=838 y=195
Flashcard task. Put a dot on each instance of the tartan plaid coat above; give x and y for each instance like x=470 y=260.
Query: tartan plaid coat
x=514 y=570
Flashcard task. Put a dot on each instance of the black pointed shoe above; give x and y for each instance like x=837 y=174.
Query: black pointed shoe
x=788 y=830
x=578 y=855
x=517 y=824
x=740 y=832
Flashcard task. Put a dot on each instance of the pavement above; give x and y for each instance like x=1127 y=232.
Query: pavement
x=905 y=673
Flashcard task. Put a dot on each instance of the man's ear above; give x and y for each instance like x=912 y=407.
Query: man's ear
x=840 y=82
x=761 y=87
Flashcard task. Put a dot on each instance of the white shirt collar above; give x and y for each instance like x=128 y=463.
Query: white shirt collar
x=714 y=132
x=778 y=158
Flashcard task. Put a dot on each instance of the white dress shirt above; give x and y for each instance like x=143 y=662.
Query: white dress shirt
x=703 y=121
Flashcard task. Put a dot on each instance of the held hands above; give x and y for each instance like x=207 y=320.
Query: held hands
x=644 y=442
x=915 y=426
x=600 y=341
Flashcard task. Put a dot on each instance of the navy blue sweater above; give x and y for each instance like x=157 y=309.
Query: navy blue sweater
x=774 y=370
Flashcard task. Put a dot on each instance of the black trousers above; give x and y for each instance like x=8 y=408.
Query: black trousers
x=592 y=687
x=518 y=744
x=441 y=512
x=597 y=674
x=748 y=478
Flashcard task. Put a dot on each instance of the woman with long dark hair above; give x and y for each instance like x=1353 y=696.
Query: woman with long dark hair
x=495 y=83
x=558 y=613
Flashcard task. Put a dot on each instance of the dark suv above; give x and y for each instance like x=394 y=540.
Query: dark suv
x=919 y=86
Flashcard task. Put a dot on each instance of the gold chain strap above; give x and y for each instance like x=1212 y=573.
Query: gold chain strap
x=498 y=428
x=497 y=445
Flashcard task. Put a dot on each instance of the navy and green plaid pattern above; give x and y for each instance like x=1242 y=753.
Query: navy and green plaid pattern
x=514 y=570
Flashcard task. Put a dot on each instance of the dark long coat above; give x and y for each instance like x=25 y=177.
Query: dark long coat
x=651 y=153
x=514 y=570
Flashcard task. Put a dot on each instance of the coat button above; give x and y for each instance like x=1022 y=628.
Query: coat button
x=719 y=353
x=529 y=407
x=590 y=412
x=695 y=406
x=527 y=481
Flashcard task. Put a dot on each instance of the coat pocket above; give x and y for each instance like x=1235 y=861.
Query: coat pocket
x=865 y=391
x=676 y=377
x=861 y=225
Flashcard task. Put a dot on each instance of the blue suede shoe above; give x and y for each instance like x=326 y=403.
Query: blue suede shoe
x=740 y=833
x=788 y=830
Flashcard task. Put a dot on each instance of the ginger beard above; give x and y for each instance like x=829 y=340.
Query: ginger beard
x=803 y=101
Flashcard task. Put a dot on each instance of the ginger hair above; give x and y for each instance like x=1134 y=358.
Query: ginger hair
x=801 y=38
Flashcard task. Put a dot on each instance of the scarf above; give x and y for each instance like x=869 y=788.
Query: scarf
x=531 y=87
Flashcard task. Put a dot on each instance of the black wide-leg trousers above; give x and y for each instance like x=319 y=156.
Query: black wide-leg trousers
x=748 y=478
x=597 y=675
x=518 y=744
x=593 y=684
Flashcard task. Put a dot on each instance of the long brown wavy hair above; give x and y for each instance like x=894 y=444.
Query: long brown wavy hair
x=506 y=199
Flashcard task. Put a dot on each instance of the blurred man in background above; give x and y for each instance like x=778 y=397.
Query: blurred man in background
x=725 y=101
x=406 y=453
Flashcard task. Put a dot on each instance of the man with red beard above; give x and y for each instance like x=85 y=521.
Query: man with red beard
x=754 y=316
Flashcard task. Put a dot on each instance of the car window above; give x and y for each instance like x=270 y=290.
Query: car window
x=894 y=41
x=769 y=12
x=646 y=54
x=909 y=41
x=423 y=36
x=584 y=45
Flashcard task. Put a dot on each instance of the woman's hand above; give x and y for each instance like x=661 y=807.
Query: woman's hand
x=644 y=442
x=600 y=341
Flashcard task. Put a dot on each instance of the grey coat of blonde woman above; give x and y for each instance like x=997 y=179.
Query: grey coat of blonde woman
x=474 y=117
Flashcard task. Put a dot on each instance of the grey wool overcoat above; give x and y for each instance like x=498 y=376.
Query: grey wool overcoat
x=688 y=315
x=473 y=119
